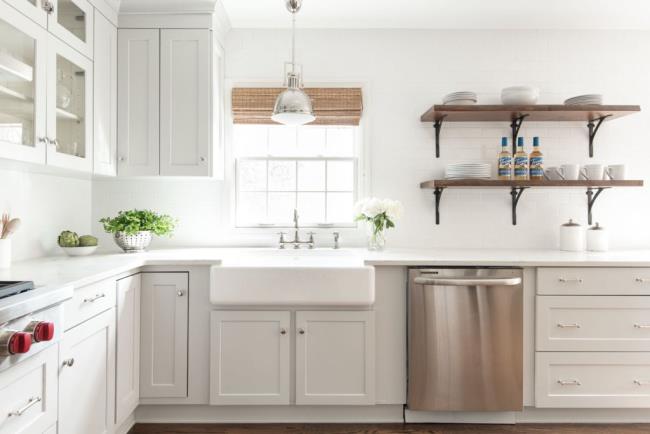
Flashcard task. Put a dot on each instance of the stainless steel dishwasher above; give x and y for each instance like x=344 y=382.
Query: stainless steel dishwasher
x=465 y=339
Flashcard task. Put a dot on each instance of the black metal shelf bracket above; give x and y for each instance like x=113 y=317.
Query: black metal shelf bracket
x=515 y=126
x=437 y=193
x=437 y=125
x=591 y=200
x=593 y=129
x=515 y=193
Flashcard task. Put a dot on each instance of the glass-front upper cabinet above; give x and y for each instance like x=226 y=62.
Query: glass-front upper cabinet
x=22 y=87
x=72 y=22
x=69 y=108
x=34 y=9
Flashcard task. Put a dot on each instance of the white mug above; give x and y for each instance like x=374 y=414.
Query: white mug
x=552 y=173
x=615 y=172
x=569 y=172
x=593 y=172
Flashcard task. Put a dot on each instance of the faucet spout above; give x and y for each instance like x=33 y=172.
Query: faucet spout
x=295 y=219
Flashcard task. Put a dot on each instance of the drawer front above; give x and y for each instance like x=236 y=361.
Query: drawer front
x=89 y=301
x=593 y=281
x=28 y=394
x=592 y=380
x=598 y=323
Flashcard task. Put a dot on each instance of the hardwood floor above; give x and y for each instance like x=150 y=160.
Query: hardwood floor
x=387 y=429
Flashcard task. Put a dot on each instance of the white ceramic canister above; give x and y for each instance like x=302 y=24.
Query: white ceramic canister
x=5 y=253
x=572 y=237
x=597 y=239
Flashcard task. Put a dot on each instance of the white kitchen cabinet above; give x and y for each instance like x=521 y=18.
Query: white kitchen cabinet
x=138 y=102
x=335 y=357
x=23 y=81
x=163 y=335
x=72 y=21
x=169 y=108
x=69 y=108
x=32 y=9
x=593 y=281
x=105 y=97
x=87 y=376
x=185 y=99
x=31 y=389
x=250 y=354
x=127 y=384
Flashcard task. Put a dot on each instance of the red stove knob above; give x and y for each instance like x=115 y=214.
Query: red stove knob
x=20 y=343
x=43 y=331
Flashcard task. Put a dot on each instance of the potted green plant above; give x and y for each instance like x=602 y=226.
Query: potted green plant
x=133 y=229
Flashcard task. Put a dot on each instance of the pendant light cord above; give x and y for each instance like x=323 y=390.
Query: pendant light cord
x=293 y=42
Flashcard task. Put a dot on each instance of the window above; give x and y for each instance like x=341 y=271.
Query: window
x=279 y=168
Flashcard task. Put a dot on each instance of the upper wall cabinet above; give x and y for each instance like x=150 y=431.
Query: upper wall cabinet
x=69 y=108
x=23 y=60
x=167 y=104
x=105 y=97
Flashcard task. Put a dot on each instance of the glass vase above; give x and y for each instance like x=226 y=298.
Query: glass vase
x=376 y=238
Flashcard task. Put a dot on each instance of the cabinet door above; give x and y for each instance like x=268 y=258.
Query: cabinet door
x=32 y=9
x=87 y=375
x=69 y=108
x=105 y=98
x=23 y=63
x=72 y=21
x=185 y=102
x=127 y=389
x=138 y=79
x=335 y=358
x=249 y=358
x=163 y=335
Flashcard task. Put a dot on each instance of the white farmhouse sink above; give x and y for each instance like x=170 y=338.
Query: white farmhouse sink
x=292 y=278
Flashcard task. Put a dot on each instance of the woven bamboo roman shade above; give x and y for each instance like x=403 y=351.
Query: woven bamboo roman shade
x=332 y=105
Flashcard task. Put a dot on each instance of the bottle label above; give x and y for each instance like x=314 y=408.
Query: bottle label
x=537 y=167
x=521 y=166
x=505 y=165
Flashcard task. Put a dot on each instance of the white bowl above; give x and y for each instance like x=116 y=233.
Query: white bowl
x=79 y=251
x=460 y=102
x=517 y=95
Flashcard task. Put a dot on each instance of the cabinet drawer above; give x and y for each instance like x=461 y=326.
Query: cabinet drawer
x=593 y=281
x=592 y=380
x=89 y=301
x=28 y=394
x=598 y=323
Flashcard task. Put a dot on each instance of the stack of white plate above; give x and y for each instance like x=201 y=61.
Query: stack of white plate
x=467 y=170
x=591 y=99
x=460 y=98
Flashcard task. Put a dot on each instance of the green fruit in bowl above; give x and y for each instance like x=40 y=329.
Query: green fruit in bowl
x=87 y=241
x=68 y=239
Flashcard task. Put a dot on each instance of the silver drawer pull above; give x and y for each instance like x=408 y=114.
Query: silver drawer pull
x=641 y=280
x=568 y=326
x=569 y=382
x=642 y=383
x=68 y=362
x=95 y=298
x=642 y=326
x=564 y=280
x=32 y=402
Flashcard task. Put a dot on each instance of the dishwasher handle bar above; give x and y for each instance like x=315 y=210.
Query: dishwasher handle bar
x=472 y=281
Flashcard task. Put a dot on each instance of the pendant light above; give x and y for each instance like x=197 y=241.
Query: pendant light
x=293 y=106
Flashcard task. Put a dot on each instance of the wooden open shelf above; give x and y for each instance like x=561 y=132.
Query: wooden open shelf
x=536 y=113
x=487 y=183
x=593 y=115
x=517 y=188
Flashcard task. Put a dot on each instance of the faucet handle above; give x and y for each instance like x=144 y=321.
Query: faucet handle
x=336 y=239
x=281 y=237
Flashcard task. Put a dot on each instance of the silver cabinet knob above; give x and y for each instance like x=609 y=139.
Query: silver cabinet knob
x=48 y=7
x=68 y=362
x=283 y=331
x=301 y=331
x=43 y=140
x=122 y=159
x=180 y=293
x=202 y=159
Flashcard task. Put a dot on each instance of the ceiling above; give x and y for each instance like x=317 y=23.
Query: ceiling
x=441 y=14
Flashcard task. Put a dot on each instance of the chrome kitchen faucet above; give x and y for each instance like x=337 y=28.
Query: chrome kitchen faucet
x=297 y=242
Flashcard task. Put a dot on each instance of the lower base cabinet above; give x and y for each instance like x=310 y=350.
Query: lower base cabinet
x=31 y=389
x=250 y=355
x=87 y=376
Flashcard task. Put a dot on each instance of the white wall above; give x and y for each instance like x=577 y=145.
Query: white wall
x=46 y=204
x=403 y=73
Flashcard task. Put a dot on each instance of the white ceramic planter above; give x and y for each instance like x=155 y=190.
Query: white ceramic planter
x=5 y=253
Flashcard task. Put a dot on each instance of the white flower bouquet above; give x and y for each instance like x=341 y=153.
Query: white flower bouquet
x=380 y=214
